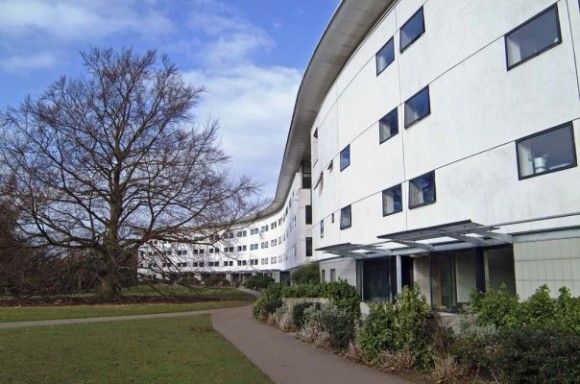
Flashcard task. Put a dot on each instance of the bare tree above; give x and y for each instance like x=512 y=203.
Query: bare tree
x=113 y=160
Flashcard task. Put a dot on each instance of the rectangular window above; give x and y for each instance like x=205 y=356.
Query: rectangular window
x=422 y=190
x=309 y=246
x=388 y=126
x=385 y=56
x=392 y=200
x=323 y=276
x=345 y=217
x=534 y=37
x=308 y=214
x=545 y=152
x=345 y=158
x=412 y=30
x=417 y=107
x=332 y=275
x=322 y=228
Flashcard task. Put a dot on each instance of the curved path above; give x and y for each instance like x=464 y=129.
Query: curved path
x=289 y=361
x=44 y=323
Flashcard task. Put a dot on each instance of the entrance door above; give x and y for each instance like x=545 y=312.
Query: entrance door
x=379 y=279
x=443 y=286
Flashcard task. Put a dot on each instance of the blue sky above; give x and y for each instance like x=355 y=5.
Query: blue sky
x=249 y=55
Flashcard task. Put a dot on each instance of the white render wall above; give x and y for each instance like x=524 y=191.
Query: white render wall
x=478 y=110
x=288 y=254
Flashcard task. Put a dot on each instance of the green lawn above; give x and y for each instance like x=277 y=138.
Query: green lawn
x=9 y=314
x=181 y=350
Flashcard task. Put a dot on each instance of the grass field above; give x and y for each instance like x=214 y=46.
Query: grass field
x=181 y=350
x=10 y=314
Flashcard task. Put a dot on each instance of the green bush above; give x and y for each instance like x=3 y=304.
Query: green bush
x=259 y=282
x=539 y=311
x=339 y=325
x=270 y=300
x=498 y=308
x=313 y=316
x=344 y=295
x=477 y=347
x=378 y=331
x=535 y=356
x=407 y=325
x=306 y=274
x=216 y=281
x=298 y=313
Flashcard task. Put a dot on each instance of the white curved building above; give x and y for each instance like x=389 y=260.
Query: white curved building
x=440 y=135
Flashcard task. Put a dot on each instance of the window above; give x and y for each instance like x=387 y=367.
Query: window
x=345 y=158
x=345 y=217
x=323 y=276
x=545 y=152
x=388 y=126
x=322 y=228
x=385 y=56
x=532 y=38
x=332 y=217
x=417 y=107
x=392 y=200
x=422 y=190
x=332 y=275
x=412 y=30
x=309 y=246
x=308 y=214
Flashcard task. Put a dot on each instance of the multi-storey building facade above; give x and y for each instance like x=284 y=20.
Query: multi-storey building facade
x=275 y=243
x=443 y=150
x=440 y=135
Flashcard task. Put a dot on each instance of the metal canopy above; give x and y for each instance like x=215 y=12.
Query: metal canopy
x=446 y=237
x=464 y=231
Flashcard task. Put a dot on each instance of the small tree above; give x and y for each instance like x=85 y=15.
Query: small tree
x=108 y=162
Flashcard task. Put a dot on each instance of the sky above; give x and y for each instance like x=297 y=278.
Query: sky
x=248 y=54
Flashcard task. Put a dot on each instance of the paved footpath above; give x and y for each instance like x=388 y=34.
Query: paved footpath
x=44 y=323
x=289 y=361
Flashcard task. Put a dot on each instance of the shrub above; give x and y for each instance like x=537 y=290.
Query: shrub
x=498 y=308
x=306 y=274
x=345 y=296
x=378 y=331
x=539 y=311
x=259 y=282
x=313 y=316
x=408 y=325
x=298 y=313
x=216 y=281
x=268 y=302
x=477 y=347
x=339 y=324
x=539 y=356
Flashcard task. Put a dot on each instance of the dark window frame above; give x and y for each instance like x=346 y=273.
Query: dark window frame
x=350 y=221
x=570 y=126
x=404 y=48
x=396 y=112
x=409 y=125
x=547 y=48
x=434 y=191
x=390 y=41
x=347 y=148
x=309 y=247
x=382 y=200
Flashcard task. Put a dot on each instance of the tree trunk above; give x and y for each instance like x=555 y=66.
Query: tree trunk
x=108 y=289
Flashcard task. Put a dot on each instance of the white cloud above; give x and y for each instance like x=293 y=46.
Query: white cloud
x=27 y=62
x=254 y=106
x=77 y=20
